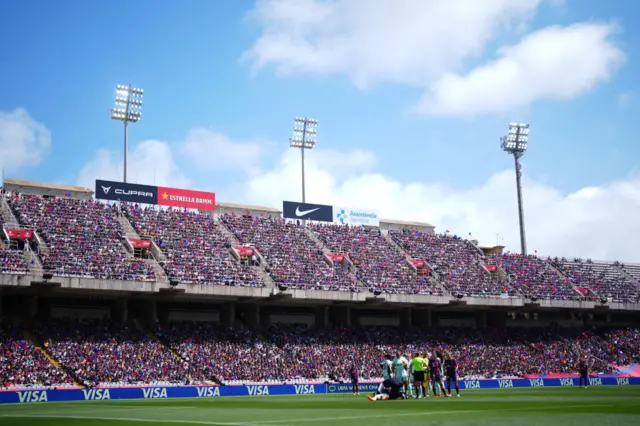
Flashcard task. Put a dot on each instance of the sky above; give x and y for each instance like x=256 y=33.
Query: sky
x=412 y=97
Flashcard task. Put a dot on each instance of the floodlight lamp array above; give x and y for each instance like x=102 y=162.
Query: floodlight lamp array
x=517 y=138
x=126 y=89
x=122 y=114
x=128 y=104
x=304 y=133
x=299 y=143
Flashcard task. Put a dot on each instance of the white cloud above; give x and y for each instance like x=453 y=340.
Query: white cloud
x=553 y=63
x=208 y=150
x=402 y=41
x=23 y=141
x=427 y=43
x=150 y=162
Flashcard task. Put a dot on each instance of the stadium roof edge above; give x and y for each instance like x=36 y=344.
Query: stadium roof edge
x=19 y=185
x=408 y=223
x=247 y=207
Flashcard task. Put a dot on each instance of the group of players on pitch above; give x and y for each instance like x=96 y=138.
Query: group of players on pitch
x=427 y=371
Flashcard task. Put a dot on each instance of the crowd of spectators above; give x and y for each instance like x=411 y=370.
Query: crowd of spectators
x=12 y=261
x=294 y=259
x=99 y=352
x=457 y=263
x=196 y=249
x=22 y=365
x=295 y=352
x=380 y=265
x=535 y=277
x=82 y=238
x=603 y=280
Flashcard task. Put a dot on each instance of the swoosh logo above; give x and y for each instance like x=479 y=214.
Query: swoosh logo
x=304 y=212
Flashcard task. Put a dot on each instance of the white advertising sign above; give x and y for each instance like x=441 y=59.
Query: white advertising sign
x=358 y=217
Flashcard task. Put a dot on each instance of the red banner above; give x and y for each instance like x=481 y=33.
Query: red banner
x=244 y=251
x=140 y=243
x=491 y=268
x=186 y=198
x=19 y=234
x=336 y=257
x=583 y=290
x=417 y=263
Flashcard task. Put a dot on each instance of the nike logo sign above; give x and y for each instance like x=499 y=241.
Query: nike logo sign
x=305 y=212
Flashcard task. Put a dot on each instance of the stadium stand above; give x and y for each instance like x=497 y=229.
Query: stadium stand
x=23 y=365
x=456 y=261
x=603 y=280
x=83 y=238
x=381 y=267
x=536 y=278
x=12 y=261
x=197 y=250
x=294 y=259
x=101 y=353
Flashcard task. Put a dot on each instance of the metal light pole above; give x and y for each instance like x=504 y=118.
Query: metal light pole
x=515 y=143
x=304 y=137
x=127 y=110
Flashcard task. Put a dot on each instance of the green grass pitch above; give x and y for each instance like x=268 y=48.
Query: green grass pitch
x=540 y=407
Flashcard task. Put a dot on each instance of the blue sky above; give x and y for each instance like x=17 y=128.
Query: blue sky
x=402 y=104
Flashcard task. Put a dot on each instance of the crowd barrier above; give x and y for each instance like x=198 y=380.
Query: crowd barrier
x=50 y=395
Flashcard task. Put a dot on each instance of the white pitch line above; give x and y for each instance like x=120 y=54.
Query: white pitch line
x=129 y=406
x=133 y=419
x=304 y=420
x=378 y=416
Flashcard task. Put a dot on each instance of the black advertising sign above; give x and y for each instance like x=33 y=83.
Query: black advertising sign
x=129 y=192
x=306 y=211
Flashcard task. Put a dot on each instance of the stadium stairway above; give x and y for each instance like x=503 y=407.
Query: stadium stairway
x=6 y=213
x=129 y=231
x=627 y=275
x=567 y=279
x=164 y=343
x=261 y=269
x=353 y=270
x=438 y=280
x=227 y=233
x=33 y=262
x=161 y=275
x=38 y=344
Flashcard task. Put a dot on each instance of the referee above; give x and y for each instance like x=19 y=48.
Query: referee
x=417 y=364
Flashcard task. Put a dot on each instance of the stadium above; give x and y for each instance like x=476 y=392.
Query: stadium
x=204 y=265
x=141 y=292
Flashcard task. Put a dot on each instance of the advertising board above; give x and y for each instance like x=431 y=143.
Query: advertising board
x=306 y=211
x=159 y=392
x=357 y=217
x=129 y=192
x=158 y=195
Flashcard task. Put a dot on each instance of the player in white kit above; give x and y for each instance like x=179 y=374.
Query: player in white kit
x=401 y=370
x=387 y=368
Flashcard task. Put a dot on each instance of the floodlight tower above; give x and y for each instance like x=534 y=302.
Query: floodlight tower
x=515 y=143
x=304 y=137
x=128 y=110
